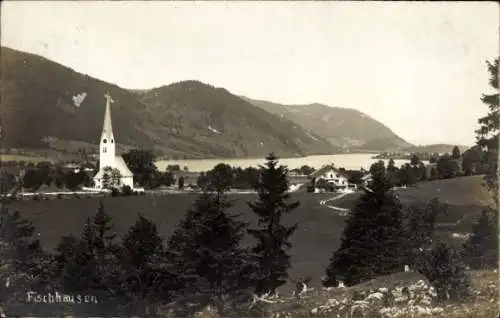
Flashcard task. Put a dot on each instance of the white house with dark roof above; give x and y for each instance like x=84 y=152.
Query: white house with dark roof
x=367 y=178
x=331 y=175
x=107 y=154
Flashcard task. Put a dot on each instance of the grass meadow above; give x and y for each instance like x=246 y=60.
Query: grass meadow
x=317 y=236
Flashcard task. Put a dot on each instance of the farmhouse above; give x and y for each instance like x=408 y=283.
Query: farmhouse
x=367 y=178
x=109 y=163
x=332 y=176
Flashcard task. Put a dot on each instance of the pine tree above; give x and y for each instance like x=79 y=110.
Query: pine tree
x=371 y=243
x=272 y=235
x=392 y=171
x=205 y=251
x=481 y=248
x=487 y=134
x=94 y=264
x=455 y=154
x=419 y=227
x=23 y=264
x=145 y=277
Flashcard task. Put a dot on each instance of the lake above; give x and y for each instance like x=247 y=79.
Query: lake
x=347 y=161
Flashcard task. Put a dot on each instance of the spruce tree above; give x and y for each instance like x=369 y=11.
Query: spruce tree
x=372 y=243
x=487 y=134
x=23 y=264
x=419 y=228
x=142 y=258
x=272 y=235
x=481 y=248
x=94 y=266
x=205 y=251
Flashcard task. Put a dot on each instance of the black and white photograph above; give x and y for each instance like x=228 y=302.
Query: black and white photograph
x=259 y=159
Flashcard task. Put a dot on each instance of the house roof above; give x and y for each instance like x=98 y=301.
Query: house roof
x=324 y=169
x=366 y=176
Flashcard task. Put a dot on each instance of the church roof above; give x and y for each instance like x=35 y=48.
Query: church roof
x=121 y=166
x=107 y=128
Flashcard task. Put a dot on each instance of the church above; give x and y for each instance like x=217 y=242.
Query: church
x=108 y=160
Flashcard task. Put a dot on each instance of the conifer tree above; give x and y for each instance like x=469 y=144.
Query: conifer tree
x=94 y=265
x=487 y=134
x=419 y=227
x=142 y=258
x=481 y=248
x=272 y=235
x=23 y=263
x=205 y=251
x=372 y=243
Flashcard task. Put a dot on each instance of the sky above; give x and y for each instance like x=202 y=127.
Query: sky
x=419 y=68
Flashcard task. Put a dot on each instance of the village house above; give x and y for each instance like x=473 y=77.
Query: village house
x=332 y=176
x=367 y=178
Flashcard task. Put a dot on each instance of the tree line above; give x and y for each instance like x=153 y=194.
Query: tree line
x=204 y=262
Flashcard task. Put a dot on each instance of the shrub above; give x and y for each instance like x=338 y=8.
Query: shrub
x=126 y=190
x=446 y=271
x=115 y=192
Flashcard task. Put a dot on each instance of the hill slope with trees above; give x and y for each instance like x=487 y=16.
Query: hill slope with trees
x=43 y=101
x=342 y=127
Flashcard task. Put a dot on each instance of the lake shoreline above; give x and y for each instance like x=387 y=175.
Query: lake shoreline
x=349 y=161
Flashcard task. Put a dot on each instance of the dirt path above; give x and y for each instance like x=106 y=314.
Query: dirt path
x=339 y=211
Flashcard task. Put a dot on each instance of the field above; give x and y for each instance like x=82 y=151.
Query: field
x=313 y=243
x=464 y=198
x=33 y=159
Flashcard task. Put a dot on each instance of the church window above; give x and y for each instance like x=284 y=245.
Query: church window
x=104 y=140
x=111 y=140
x=104 y=149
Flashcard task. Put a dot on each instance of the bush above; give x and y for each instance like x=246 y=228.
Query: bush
x=126 y=190
x=446 y=271
x=115 y=192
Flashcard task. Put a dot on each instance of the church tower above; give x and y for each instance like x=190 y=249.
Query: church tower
x=107 y=148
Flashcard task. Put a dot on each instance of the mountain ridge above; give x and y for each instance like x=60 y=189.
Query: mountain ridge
x=343 y=127
x=45 y=100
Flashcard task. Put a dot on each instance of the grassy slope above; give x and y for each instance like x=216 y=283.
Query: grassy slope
x=483 y=303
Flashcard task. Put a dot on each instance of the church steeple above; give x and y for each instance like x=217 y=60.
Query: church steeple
x=107 y=145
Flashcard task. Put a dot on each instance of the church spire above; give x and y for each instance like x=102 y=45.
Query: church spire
x=107 y=129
